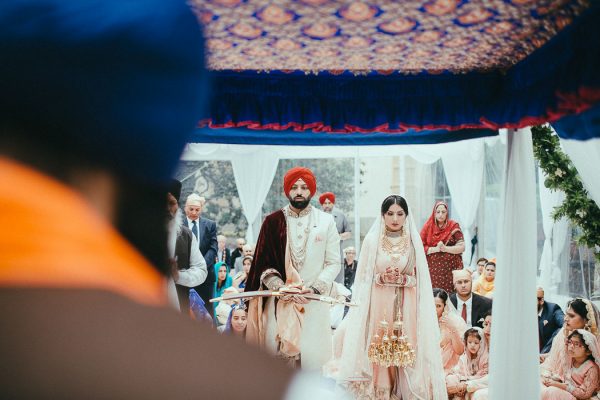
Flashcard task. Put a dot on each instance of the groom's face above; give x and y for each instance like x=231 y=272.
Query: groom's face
x=299 y=195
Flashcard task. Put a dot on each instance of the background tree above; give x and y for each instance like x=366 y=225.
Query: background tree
x=214 y=180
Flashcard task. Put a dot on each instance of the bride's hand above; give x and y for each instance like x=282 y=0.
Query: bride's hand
x=391 y=275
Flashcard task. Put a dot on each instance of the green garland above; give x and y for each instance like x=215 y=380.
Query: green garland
x=562 y=175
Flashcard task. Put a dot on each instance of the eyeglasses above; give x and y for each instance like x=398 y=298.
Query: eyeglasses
x=540 y=298
x=574 y=344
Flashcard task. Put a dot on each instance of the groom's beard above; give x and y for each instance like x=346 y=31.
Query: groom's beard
x=299 y=202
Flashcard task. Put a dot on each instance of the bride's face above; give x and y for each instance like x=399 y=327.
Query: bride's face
x=394 y=218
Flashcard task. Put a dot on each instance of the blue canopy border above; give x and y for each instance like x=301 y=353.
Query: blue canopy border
x=560 y=78
x=307 y=138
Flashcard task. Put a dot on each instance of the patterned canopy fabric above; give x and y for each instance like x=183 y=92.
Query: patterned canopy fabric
x=458 y=66
x=408 y=36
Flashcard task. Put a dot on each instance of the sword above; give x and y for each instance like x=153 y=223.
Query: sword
x=269 y=293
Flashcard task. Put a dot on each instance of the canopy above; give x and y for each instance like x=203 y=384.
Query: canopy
x=399 y=67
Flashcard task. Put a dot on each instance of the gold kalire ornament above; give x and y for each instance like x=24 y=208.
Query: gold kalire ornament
x=394 y=350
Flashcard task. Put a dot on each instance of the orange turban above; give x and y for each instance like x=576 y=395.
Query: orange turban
x=296 y=173
x=327 y=196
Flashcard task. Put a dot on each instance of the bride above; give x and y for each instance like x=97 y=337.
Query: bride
x=395 y=305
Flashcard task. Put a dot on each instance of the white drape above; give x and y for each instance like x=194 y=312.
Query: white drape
x=463 y=166
x=254 y=167
x=254 y=172
x=585 y=156
x=514 y=364
x=554 y=244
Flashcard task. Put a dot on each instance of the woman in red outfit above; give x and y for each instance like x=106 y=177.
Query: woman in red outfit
x=443 y=243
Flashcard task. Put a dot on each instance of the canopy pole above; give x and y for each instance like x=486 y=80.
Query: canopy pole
x=356 y=196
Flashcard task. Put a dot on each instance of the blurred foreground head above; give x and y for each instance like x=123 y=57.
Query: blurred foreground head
x=108 y=90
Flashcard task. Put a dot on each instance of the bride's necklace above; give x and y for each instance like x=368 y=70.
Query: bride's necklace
x=395 y=248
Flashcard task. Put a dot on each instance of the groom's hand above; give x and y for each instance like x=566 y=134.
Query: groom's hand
x=294 y=298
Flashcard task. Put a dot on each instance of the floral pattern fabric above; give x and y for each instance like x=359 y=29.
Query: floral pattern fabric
x=410 y=36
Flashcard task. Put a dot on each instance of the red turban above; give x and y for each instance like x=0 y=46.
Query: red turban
x=296 y=173
x=327 y=196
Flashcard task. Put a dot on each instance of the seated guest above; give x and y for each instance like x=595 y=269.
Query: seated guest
x=239 y=281
x=337 y=312
x=247 y=250
x=349 y=266
x=237 y=321
x=238 y=251
x=550 y=320
x=224 y=308
x=487 y=327
x=452 y=327
x=484 y=285
x=470 y=306
x=480 y=268
x=472 y=366
x=479 y=387
x=581 y=314
x=223 y=253
x=222 y=282
x=581 y=379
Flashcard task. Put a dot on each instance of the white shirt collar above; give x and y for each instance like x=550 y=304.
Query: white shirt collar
x=469 y=304
x=189 y=221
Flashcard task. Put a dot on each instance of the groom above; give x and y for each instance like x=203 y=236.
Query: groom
x=297 y=251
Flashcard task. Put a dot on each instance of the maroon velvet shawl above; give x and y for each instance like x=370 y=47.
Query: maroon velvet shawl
x=270 y=250
x=431 y=234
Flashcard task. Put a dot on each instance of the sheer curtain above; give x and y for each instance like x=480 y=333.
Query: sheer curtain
x=585 y=156
x=556 y=236
x=254 y=171
x=514 y=296
x=254 y=168
x=463 y=166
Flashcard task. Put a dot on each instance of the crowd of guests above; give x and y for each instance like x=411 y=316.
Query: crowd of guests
x=568 y=347
x=568 y=343
x=226 y=270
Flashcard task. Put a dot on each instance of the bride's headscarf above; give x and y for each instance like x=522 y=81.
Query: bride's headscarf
x=426 y=377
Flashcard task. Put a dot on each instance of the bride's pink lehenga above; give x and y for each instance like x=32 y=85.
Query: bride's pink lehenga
x=351 y=367
x=383 y=300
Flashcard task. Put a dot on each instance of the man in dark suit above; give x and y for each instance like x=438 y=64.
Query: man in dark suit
x=223 y=253
x=550 y=320
x=205 y=231
x=471 y=306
